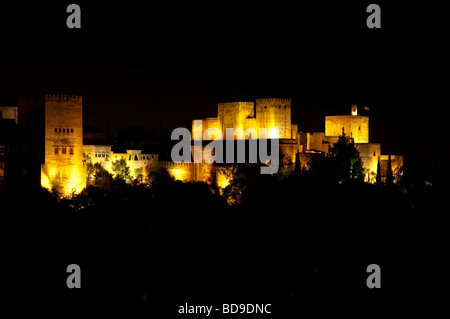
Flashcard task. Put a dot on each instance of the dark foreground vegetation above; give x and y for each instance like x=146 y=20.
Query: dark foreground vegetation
x=300 y=240
x=292 y=241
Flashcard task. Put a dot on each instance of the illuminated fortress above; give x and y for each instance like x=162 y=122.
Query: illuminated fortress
x=247 y=117
x=53 y=149
x=275 y=115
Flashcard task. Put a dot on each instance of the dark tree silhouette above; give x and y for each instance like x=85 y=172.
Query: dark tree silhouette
x=378 y=180
x=297 y=166
x=346 y=156
x=389 y=175
x=98 y=176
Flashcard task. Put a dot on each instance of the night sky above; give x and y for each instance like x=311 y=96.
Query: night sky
x=161 y=64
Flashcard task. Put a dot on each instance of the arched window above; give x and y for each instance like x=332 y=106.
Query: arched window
x=71 y=130
x=59 y=130
x=56 y=130
x=64 y=130
x=135 y=157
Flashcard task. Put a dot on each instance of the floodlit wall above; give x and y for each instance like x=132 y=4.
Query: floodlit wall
x=63 y=168
x=354 y=125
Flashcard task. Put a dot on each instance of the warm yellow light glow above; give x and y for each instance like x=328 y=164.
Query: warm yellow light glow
x=274 y=133
x=75 y=183
x=65 y=187
x=178 y=173
x=45 y=181
x=222 y=180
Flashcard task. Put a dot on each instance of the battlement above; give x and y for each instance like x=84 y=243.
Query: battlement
x=237 y=103
x=169 y=164
x=59 y=98
x=271 y=100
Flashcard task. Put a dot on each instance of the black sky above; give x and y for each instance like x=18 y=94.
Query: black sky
x=155 y=64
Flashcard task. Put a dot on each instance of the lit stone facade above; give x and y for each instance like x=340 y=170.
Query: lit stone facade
x=63 y=168
x=9 y=113
x=137 y=161
x=53 y=143
x=356 y=127
x=247 y=118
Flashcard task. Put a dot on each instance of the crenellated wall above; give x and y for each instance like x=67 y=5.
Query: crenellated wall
x=247 y=118
x=354 y=125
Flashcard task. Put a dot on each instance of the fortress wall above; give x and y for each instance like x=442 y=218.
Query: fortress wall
x=305 y=141
x=268 y=114
x=360 y=129
x=198 y=128
x=235 y=115
x=274 y=113
x=316 y=142
x=374 y=155
x=184 y=172
x=213 y=125
x=204 y=172
x=228 y=115
x=250 y=124
x=334 y=125
x=294 y=130
x=9 y=112
x=355 y=126
x=369 y=154
x=396 y=164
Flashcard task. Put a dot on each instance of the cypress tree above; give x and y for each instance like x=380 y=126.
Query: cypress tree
x=378 y=178
x=389 y=175
x=297 y=167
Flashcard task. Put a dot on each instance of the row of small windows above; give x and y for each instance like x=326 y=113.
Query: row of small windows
x=279 y=106
x=102 y=155
x=63 y=130
x=64 y=149
x=144 y=157
x=130 y=157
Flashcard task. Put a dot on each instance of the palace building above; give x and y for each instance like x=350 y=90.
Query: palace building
x=53 y=153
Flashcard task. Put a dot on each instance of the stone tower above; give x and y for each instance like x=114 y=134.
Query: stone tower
x=354 y=125
x=63 y=168
x=274 y=113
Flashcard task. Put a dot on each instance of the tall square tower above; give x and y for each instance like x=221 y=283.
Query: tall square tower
x=63 y=168
x=354 y=125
